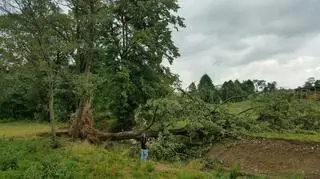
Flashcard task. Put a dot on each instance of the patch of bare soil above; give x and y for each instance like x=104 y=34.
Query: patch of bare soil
x=271 y=157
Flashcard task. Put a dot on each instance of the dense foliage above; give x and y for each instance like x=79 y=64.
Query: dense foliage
x=284 y=111
x=188 y=126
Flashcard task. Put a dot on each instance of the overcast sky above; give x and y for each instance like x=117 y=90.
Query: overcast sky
x=275 y=40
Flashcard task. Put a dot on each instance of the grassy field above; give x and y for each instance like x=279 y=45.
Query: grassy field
x=24 y=155
x=22 y=129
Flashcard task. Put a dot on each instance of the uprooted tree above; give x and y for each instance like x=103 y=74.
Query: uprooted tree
x=128 y=41
x=117 y=45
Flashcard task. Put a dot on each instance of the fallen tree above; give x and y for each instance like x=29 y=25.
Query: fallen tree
x=159 y=116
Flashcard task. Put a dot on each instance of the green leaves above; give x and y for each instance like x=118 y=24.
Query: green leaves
x=283 y=111
x=199 y=124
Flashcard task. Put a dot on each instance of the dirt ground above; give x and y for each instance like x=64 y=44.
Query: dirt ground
x=271 y=157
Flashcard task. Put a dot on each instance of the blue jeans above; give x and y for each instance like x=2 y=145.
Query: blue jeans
x=144 y=154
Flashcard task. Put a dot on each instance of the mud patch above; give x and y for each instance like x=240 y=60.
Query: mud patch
x=271 y=157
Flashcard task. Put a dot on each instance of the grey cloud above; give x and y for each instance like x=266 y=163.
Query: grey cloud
x=251 y=17
x=227 y=22
x=225 y=34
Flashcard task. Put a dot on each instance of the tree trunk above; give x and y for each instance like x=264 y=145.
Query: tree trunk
x=95 y=136
x=51 y=111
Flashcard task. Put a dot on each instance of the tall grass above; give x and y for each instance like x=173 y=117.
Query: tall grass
x=23 y=155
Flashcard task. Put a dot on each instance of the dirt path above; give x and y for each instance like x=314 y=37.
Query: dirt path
x=271 y=157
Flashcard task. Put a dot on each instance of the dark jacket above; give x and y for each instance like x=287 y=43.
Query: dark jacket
x=144 y=141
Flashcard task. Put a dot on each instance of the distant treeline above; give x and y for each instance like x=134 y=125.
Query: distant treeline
x=234 y=91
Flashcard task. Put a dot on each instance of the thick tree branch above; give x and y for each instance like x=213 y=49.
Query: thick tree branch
x=153 y=119
x=103 y=136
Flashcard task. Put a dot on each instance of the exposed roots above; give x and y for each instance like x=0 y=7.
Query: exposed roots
x=82 y=123
x=81 y=126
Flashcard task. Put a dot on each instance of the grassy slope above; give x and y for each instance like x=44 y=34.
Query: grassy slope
x=32 y=157
x=305 y=136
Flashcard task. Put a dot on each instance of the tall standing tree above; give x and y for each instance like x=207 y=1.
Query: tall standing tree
x=205 y=83
x=270 y=87
x=192 y=87
x=32 y=39
x=259 y=85
x=207 y=91
x=310 y=82
x=127 y=41
x=248 y=86
x=317 y=84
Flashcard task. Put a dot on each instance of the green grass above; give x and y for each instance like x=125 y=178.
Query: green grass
x=22 y=129
x=236 y=108
x=289 y=136
x=33 y=158
x=24 y=155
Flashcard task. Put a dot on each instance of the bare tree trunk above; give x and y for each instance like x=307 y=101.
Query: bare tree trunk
x=51 y=110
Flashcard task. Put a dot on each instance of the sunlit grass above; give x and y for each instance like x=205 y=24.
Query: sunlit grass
x=236 y=108
x=23 y=129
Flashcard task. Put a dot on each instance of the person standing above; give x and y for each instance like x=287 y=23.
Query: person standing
x=144 y=147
